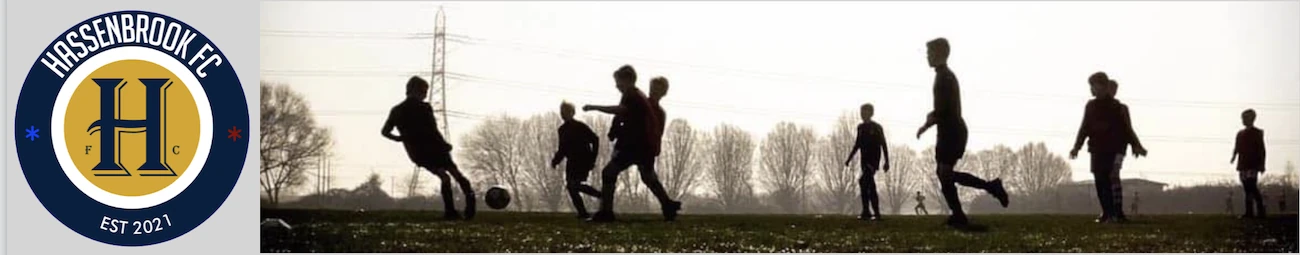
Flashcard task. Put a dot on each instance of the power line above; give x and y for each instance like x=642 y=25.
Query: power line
x=343 y=73
x=805 y=78
x=588 y=94
x=471 y=40
x=850 y=83
x=832 y=117
x=346 y=34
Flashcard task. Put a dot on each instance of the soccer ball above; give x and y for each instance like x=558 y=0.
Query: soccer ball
x=497 y=198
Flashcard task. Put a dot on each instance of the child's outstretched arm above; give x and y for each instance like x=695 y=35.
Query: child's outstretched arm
x=1082 y=135
x=389 y=124
x=1261 y=151
x=1138 y=149
x=852 y=151
x=884 y=148
x=930 y=121
x=593 y=140
x=610 y=109
x=559 y=151
x=1236 y=148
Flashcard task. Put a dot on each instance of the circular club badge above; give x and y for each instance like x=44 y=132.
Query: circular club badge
x=130 y=128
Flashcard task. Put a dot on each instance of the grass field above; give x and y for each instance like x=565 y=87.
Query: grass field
x=416 y=231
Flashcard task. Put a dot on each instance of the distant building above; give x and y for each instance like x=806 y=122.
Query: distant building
x=1069 y=198
x=1131 y=185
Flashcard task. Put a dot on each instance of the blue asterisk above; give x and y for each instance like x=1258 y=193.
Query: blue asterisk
x=31 y=133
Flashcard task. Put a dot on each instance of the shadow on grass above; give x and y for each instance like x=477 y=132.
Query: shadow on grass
x=971 y=228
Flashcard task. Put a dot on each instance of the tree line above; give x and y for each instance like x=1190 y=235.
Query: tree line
x=726 y=169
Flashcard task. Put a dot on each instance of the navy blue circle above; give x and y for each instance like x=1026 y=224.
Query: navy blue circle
x=188 y=209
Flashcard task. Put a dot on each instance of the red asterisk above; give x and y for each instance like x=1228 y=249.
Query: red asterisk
x=234 y=133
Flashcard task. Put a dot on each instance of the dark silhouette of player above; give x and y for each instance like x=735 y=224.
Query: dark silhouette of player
x=635 y=143
x=579 y=145
x=1136 y=199
x=1250 y=150
x=1109 y=132
x=871 y=141
x=414 y=119
x=952 y=135
x=659 y=89
x=920 y=204
x=1228 y=204
x=1116 y=183
x=1281 y=201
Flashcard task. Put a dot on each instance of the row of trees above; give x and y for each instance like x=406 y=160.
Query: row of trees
x=1068 y=199
x=792 y=169
x=727 y=169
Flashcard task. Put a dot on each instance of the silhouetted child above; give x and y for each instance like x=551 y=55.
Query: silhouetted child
x=659 y=89
x=1116 y=183
x=1229 y=206
x=871 y=141
x=1250 y=148
x=1134 y=207
x=1108 y=130
x=952 y=134
x=1281 y=201
x=579 y=145
x=635 y=143
x=920 y=204
x=414 y=119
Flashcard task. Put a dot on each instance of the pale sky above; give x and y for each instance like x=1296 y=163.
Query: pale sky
x=1186 y=69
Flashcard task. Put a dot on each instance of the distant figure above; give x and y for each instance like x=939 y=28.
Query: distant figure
x=1134 y=207
x=635 y=143
x=414 y=119
x=1109 y=132
x=920 y=204
x=1229 y=204
x=1250 y=147
x=871 y=141
x=579 y=145
x=1281 y=201
x=952 y=134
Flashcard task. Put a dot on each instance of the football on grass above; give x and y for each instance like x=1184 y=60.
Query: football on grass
x=497 y=198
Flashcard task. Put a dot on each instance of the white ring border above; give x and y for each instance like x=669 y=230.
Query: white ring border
x=61 y=108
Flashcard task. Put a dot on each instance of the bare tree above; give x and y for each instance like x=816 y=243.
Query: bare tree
x=787 y=151
x=839 y=185
x=679 y=165
x=731 y=166
x=491 y=147
x=903 y=180
x=539 y=143
x=291 y=141
x=1040 y=170
x=999 y=162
